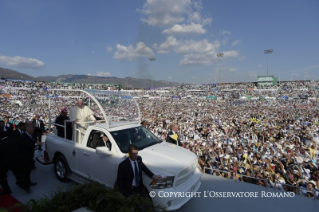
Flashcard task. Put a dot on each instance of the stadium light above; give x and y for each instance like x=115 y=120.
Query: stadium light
x=219 y=55
x=268 y=51
x=152 y=59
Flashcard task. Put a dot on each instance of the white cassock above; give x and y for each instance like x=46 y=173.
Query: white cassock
x=83 y=114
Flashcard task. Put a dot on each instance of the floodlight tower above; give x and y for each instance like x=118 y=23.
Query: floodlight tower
x=219 y=55
x=152 y=59
x=268 y=51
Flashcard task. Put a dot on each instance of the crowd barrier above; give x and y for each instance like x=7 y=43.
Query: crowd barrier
x=267 y=183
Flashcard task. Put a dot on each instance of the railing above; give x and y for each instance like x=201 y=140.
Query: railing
x=77 y=130
x=267 y=183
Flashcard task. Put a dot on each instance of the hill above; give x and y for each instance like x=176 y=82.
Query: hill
x=10 y=74
x=127 y=82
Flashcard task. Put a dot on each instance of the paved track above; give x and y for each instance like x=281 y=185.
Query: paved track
x=48 y=183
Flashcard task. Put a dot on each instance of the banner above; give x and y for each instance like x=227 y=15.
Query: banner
x=6 y=95
x=176 y=97
x=126 y=97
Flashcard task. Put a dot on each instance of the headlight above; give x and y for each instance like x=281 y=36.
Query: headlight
x=165 y=182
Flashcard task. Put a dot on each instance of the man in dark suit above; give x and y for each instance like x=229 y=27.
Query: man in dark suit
x=19 y=131
x=11 y=158
x=2 y=127
x=129 y=173
x=8 y=127
x=28 y=142
x=172 y=136
x=60 y=120
x=39 y=129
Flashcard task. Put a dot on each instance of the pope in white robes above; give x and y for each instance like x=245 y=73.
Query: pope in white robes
x=78 y=114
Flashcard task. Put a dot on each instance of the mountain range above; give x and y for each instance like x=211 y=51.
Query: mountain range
x=127 y=82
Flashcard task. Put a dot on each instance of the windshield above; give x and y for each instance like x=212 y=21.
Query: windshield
x=139 y=136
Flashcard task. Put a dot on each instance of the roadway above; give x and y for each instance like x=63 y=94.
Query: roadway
x=48 y=183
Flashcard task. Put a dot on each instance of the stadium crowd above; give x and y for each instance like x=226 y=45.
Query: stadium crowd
x=273 y=143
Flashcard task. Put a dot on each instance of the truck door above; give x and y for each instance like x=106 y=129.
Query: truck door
x=99 y=167
x=87 y=157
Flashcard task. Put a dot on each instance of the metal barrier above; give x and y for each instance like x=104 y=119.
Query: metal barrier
x=267 y=183
x=77 y=130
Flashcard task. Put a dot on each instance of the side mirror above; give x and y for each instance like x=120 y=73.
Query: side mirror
x=103 y=151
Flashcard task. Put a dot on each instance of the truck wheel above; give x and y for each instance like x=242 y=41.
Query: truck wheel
x=61 y=169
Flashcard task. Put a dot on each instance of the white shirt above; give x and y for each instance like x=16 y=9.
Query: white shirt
x=133 y=166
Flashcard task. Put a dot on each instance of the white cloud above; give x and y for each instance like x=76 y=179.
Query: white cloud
x=235 y=43
x=259 y=65
x=224 y=41
x=109 y=48
x=242 y=58
x=102 y=74
x=130 y=53
x=225 y=32
x=181 y=17
x=231 y=54
x=155 y=46
x=195 y=52
x=192 y=46
x=169 y=13
x=185 y=29
x=206 y=58
x=142 y=50
x=198 y=5
x=165 y=12
x=207 y=21
x=194 y=17
x=195 y=59
x=169 y=77
x=170 y=44
x=21 y=62
x=228 y=69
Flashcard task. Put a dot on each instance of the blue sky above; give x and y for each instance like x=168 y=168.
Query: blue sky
x=117 y=38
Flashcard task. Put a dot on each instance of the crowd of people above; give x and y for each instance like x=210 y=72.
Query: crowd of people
x=271 y=143
x=17 y=146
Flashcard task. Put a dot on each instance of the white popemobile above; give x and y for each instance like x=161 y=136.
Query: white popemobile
x=80 y=159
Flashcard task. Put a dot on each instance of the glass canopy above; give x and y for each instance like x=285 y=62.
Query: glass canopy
x=106 y=105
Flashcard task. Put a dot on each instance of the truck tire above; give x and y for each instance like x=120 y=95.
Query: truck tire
x=61 y=169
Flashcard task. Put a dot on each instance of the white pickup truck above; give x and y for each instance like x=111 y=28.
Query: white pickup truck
x=79 y=160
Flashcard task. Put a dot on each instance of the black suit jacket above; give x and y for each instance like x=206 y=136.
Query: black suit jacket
x=60 y=120
x=11 y=152
x=15 y=134
x=9 y=128
x=170 y=140
x=125 y=174
x=28 y=145
x=41 y=124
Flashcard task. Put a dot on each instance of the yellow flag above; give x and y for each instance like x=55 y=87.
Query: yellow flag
x=174 y=137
